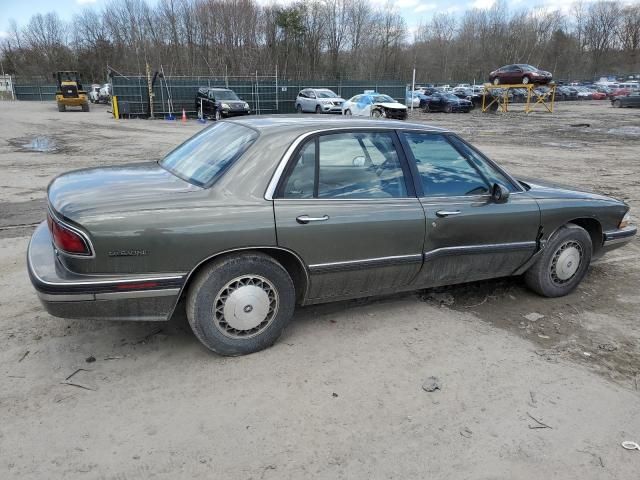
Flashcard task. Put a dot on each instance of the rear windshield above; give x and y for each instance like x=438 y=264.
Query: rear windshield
x=203 y=158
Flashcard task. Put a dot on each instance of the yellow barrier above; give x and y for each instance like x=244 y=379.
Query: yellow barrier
x=114 y=107
x=547 y=99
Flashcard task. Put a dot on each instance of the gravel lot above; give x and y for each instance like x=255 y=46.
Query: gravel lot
x=340 y=395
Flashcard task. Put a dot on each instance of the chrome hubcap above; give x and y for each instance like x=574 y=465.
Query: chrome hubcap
x=245 y=306
x=566 y=261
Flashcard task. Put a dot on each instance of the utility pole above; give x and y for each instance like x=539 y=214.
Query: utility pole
x=150 y=87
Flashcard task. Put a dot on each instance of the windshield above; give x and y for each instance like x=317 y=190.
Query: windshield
x=326 y=94
x=225 y=95
x=383 y=99
x=203 y=158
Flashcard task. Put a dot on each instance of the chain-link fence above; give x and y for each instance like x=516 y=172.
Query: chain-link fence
x=266 y=94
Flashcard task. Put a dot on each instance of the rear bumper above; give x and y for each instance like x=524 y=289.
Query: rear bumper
x=66 y=294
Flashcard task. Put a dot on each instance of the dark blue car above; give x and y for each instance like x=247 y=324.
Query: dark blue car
x=446 y=102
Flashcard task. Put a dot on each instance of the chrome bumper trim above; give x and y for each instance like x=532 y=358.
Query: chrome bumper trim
x=621 y=235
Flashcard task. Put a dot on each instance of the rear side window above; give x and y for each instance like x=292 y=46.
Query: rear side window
x=443 y=171
x=203 y=158
x=347 y=165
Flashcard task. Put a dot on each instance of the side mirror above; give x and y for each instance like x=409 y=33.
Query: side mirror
x=359 y=162
x=499 y=193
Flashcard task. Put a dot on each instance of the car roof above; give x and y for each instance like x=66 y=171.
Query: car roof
x=303 y=124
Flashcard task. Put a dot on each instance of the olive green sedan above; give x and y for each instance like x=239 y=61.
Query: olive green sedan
x=251 y=217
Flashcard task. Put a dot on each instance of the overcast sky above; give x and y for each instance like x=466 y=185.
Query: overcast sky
x=413 y=10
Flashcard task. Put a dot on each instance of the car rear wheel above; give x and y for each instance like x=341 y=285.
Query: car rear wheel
x=525 y=80
x=563 y=263
x=448 y=108
x=617 y=104
x=240 y=304
x=298 y=108
x=496 y=81
x=347 y=112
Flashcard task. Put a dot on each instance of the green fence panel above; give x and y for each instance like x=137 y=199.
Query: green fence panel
x=265 y=95
x=35 y=92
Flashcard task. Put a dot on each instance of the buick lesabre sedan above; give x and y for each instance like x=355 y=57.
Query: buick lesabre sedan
x=251 y=217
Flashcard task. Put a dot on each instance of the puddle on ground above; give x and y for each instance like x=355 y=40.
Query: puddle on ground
x=629 y=130
x=41 y=144
x=38 y=143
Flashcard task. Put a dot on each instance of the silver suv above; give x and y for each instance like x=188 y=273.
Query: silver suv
x=318 y=100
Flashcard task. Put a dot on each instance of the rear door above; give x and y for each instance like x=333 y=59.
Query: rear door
x=469 y=237
x=347 y=206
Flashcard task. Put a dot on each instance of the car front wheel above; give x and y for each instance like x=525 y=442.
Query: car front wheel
x=563 y=264
x=347 y=112
x=240 y=304
x=617 y=104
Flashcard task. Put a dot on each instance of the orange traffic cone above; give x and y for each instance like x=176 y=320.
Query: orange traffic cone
x=184 y=116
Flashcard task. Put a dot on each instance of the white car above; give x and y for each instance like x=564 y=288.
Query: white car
x=94 y=93
x=374 y=105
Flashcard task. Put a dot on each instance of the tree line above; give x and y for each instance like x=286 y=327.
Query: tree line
x=325 y=39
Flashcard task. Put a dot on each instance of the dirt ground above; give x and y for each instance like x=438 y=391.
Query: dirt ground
x=341 y=394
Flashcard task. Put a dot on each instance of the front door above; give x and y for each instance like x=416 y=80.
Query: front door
x=346 y=207
x=469 y=237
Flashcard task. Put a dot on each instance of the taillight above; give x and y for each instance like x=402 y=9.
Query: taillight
x=66 y=239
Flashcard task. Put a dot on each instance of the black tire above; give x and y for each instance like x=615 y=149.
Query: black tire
x=85 y=107
x=318 y=109
x=347 y=112
x=544 y=278
x=448 y=108
x=62 y=108
x=203 y=299
x=298 y=108
x=377 y=113
x=617 y=104
x=218 y=115
x=426 y=108
x=526 y=80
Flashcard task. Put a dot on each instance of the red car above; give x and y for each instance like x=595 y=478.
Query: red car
x=598 y=96
x=620 y=92
x=519 y=74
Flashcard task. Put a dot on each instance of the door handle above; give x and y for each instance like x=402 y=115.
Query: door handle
x=304 y=219
x=447 y=213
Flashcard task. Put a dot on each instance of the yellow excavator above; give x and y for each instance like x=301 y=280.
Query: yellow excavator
x=70 y=92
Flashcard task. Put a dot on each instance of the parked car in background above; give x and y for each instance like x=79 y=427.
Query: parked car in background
x=104 y=94
x=467 y=93
x=630 y=100
x=94 y=93
x=415 y=98
x=374 y=105
x=249 y=218
x=448 y=103
x=619 y=92
x=596 y=95
x=318 y=100
x=218 y=103
x=565 y=93
x=519 y=74
x=584 y=93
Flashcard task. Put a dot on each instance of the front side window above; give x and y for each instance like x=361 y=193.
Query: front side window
x=443 y=171
x=346 y=165
x=490 y=173
x=203 y=158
